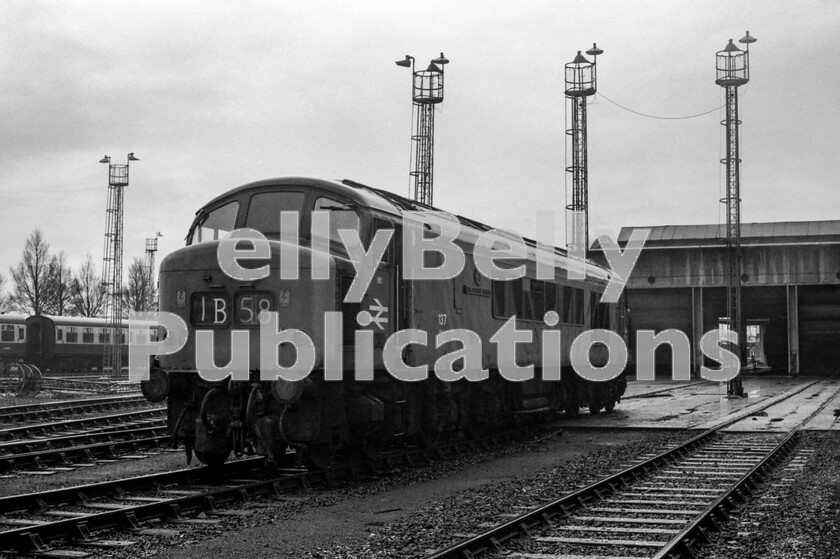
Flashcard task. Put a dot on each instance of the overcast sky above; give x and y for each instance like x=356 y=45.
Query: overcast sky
x=211 y=95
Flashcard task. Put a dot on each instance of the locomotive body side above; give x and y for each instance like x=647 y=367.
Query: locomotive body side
x=368 y=407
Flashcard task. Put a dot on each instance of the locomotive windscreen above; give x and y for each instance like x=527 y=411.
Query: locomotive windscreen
x=216 y=224
x=265 y=207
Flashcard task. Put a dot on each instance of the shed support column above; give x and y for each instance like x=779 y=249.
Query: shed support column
x=696 y=328
x=793 y=329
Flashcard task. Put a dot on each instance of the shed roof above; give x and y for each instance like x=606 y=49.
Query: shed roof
x=751 y=233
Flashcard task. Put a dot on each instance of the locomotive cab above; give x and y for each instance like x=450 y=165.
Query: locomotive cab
x=245 y=412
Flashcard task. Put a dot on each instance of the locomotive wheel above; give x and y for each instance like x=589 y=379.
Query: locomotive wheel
x=594 y=408
x=572 y=410
x=212 y=459
x=427 y=438
x=610 y=405
x=477 y=430
x=318 y=456
x=370 y=450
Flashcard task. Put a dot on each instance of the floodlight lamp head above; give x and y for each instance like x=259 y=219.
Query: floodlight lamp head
x=580 y=59
x=731 y=47
x=105 y=159
x=747 y=39
x=441 y=60
x=132 y=158
x=407 y=62
x=595 y=51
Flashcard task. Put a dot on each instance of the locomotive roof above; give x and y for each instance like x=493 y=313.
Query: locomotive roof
x=382 y=200
x=360 y=194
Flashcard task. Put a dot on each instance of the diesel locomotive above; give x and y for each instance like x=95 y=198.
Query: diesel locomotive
x=317 y=416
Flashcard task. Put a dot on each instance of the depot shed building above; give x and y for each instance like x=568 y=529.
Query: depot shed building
x=790 y=290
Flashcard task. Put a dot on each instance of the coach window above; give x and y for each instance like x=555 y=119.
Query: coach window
x=59 y=334
x=87 y=335
x=7 y=333
x=21 y=334
x=265 y=207
x=104 y=336
x=342 y=216
x=72 y=335
x=216 y=224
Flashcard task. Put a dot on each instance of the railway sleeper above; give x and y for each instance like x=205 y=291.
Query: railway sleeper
x=29 y=542
x=130 y=522
x=81 y=532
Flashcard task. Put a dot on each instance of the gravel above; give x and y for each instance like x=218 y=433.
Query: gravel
x=796 y=513
x=410 y=513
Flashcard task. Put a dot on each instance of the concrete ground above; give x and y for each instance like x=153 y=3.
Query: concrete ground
x=700 y=405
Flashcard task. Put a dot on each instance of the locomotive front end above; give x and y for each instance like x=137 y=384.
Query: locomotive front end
x=224 y=393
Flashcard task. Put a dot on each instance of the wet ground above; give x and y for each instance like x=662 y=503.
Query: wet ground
x=805 y=402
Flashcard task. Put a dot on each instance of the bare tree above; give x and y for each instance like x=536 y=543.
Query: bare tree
x=140 y=295
x=59 y=278
x=86 y=292
x=30 y=277
x=5 y=305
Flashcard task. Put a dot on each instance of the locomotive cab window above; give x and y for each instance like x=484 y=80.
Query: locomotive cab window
x=342 y=216
x=216 y=224
x=265 y=207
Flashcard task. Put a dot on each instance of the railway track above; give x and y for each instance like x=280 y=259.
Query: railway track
x=82 y=426
x=48 y=448
x=68 y=452
x=89 y=385
x=78 y=516
x=661 y=507
x=49 y=410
